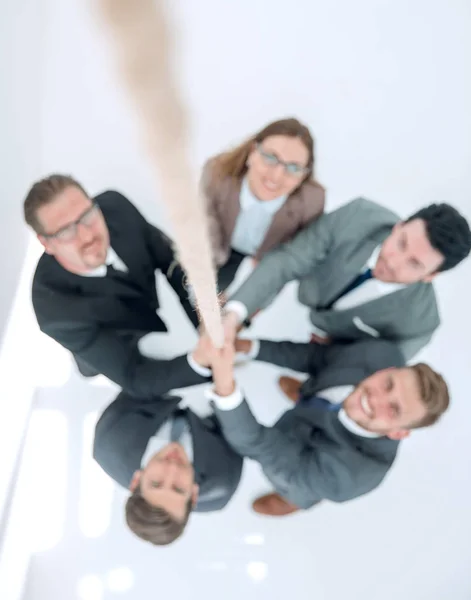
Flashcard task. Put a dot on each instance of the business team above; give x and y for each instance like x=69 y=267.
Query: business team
x=365 y=273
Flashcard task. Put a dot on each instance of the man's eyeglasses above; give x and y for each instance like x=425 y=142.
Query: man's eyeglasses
x=69 y=232
x=291 y=168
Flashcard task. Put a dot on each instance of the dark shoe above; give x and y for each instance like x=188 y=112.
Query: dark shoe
x=273 y=505
x=290 y=387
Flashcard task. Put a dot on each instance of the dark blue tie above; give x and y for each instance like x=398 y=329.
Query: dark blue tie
x=318 y=402
x=178 y=426
x=365 y=276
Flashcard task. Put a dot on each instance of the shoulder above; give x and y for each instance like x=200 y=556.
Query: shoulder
x=362 y=207
x=383 y=354
x=312 y=196
x=371 y=354
x=48 y=275
x=115 y=408
x=208 y=172
x=422 y=301
x=113 y=204
x=213 y=183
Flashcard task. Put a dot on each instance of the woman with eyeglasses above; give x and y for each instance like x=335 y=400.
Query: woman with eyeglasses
x=260 y=194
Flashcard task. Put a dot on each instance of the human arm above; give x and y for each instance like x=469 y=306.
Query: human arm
x=122 y=363
x=165 y=259
x=301 y=474
x=298 y=356
x=290 y=261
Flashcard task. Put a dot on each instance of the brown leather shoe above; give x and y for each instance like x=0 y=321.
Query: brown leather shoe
x=273 y=505
x=290 y=387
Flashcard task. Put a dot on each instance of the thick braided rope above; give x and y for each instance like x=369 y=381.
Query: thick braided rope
x=142 y=42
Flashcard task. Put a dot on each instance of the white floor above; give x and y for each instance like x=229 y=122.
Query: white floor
x=386 y=88
x=409 y=539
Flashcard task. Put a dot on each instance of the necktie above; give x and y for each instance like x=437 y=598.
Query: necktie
x=178 y=426
x=365 y=276
x=318 y=402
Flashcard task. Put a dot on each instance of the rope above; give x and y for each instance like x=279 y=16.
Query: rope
x=141 y=37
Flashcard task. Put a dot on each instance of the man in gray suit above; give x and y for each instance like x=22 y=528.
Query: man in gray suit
x=172 y=460
x=363 y=273
x=341 y=438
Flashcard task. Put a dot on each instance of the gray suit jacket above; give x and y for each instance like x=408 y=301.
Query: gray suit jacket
x=308 y=455
x=123 y=432
x=325 y=257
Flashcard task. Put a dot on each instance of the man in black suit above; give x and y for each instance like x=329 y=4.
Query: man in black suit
x=341 y=438
x=94 y=289
x=172 y=460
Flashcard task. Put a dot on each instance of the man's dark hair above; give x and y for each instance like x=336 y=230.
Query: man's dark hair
x=447 y=231
x=152 y=523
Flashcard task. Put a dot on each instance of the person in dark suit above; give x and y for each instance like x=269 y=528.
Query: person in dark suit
x=94 y=288
x=172 y=460
x=342 y=436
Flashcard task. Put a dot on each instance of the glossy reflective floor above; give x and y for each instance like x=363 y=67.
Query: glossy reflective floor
x=409 y=539
x=386 y=89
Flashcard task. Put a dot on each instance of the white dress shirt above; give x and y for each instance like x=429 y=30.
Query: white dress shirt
x=161 y=438
x=336 y=395
x=367 y=291
x=111 y=259
x=254 y=220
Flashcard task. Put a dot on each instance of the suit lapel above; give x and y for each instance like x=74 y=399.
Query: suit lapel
x=346 y=264
x=286 y=220
x=128 y=252
x=230 y=207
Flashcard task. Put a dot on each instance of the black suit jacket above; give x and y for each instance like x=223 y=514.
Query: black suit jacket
x=308 y=455
x=123 y=432
x=88 y=315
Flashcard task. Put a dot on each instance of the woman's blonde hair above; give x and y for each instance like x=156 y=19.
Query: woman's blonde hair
x=234 y=162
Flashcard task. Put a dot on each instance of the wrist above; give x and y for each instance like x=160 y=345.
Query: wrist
x=224 y=387
x=243 y=346
x=200 y=360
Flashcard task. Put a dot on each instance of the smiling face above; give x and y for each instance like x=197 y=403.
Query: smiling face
x=277 y=166
x=407 y=256
x=167 y=481
x=74 y=231
x=387 y=403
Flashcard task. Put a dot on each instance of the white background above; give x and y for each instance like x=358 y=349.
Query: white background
x=386 y=89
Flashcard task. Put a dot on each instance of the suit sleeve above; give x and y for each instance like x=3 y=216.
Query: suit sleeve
x=411 y=346
x=122 y=362
x=164 y=259
x=291 y=261
x=298 y=356
x=302 y=475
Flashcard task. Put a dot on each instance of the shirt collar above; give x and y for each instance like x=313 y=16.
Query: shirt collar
x=353 y=426
x=248 y=199
x=111 y=258
x=371 y=263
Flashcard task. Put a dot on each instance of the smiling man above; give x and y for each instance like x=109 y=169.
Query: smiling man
x=358 y=268
x=342 y=436
x=94 y=289
x=172 y=461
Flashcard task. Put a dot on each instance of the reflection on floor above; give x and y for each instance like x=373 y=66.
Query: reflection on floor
x=402 y=541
